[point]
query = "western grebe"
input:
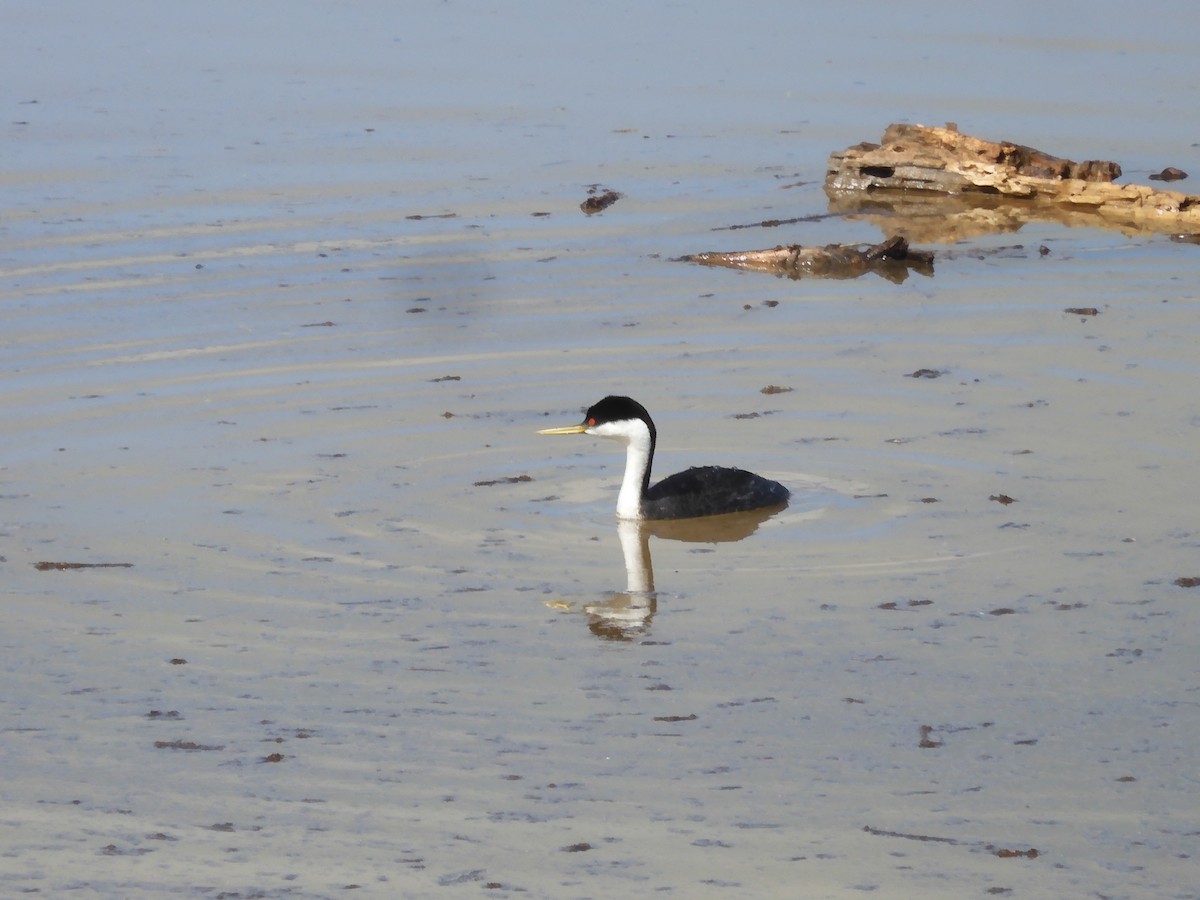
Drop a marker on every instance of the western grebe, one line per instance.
(700, 491)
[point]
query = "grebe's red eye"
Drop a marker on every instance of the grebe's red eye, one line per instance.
(591, 421)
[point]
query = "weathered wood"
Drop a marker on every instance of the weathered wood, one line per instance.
(915, 159)
(892, 259)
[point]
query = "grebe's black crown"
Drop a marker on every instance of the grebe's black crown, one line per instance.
(617, 409)
(621, 409)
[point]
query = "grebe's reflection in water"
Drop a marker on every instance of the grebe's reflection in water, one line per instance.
(626, 615)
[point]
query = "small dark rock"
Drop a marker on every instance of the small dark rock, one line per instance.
(1170, 173)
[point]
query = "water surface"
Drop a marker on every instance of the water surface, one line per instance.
(287, 293)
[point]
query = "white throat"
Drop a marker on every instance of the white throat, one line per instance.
(634, 434)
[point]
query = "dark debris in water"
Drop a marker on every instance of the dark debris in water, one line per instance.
(1170, 173)
(755, 415)
(775, 223)
(911, 604)
(70, 566)
(114, 850)
(599, 199)
(190, 746)
(927, 741)
(1002, 852)
(511, 479)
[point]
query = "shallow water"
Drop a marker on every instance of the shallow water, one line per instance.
(286, 298)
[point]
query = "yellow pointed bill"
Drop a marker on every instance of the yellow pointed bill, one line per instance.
(565, 429)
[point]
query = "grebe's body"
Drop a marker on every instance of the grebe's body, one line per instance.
(699, 491)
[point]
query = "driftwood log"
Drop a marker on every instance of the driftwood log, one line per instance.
(891, 259)
(914, 166)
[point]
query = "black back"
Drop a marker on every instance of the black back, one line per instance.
(711, 490)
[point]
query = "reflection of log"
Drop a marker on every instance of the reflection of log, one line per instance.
(937, 218)
(891, 259)
(942, 161)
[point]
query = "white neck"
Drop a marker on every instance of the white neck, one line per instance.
(636, 437)
(629, 501)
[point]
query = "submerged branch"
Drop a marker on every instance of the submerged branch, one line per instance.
(891, 259)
